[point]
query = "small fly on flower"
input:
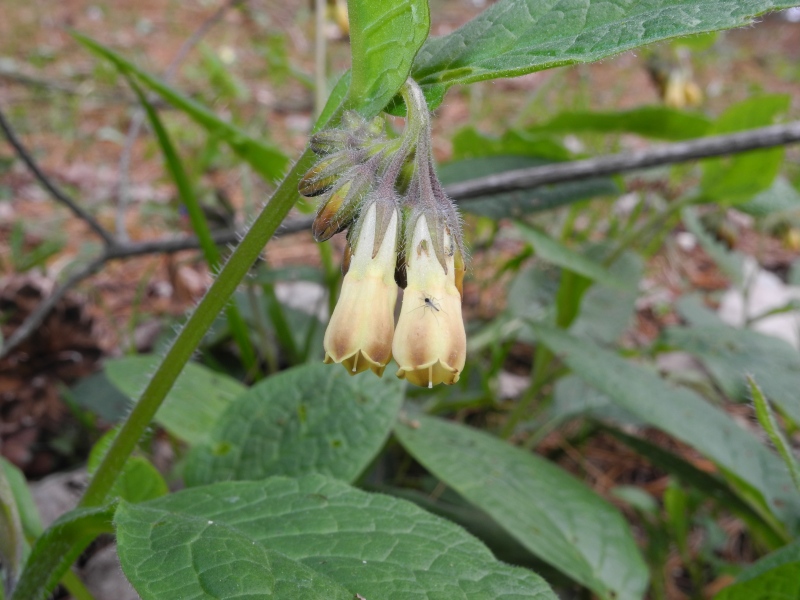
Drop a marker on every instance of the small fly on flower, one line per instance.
(429, 303)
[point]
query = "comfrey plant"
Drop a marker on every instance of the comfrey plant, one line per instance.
(403, 231)
(273, 507)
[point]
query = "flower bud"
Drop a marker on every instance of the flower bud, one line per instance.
(359, 334)
(430, 343)
(322, 176)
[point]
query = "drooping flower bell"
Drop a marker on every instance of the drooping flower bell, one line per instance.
(360, 331)
(358, 179)
(430, 344)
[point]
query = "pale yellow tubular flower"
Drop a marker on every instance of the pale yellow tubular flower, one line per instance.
(430, 344)
(359, 334)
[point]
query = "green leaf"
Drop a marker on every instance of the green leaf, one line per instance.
(783, 556)
(194, 404)
(515, 37)
(684, 415)
(58, 547)
(553, 251)
(781, 583)
(781, 197)
(309, 419)
(28, 513)
(265, 159)
(138, 481)
(167, 554)
(522, 202)
(373, 545)
(738, 178)
(731, 354)
(657, 122)
(471, 143)
(552, 514)
(98, 395)
(384, 39)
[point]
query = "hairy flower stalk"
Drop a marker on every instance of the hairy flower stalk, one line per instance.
(358, 180)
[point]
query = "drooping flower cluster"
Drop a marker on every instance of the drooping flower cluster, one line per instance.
(403, 231)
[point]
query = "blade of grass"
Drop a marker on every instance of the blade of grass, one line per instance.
(199, 224)
(766, 417)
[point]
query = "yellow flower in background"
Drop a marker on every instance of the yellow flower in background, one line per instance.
(430, 343)
(359, 334)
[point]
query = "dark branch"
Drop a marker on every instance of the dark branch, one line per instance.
(721, 145)
(58, 194)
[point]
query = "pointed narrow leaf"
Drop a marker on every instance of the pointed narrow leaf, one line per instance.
(515, 37)
(377, 546)
(385, 37)
(684, 415)
(552, 514)
(310, 419)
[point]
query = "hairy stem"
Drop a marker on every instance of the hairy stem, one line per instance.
(187, 341)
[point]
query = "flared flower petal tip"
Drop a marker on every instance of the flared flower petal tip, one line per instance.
(430, 375)
(358, 363)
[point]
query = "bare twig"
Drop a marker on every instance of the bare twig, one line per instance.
(764, 137)
(720, 145)
(57, 193)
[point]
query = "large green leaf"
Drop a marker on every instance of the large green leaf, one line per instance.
(308, 419)
(265, 159)
(193, 405)
(515, 37)
(519, 203)
(168, 555)
(384, 38)
(657, 122)
(684, 415)
(731, 354)
(552, 514)
(738, 178)
(373, 545)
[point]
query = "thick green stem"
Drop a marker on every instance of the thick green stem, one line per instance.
(180, 352)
